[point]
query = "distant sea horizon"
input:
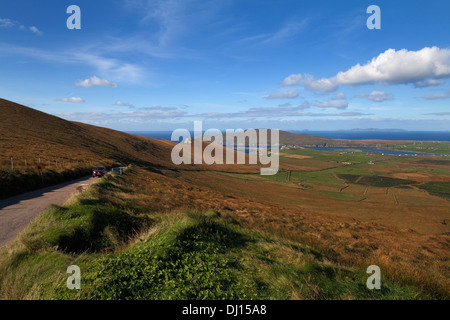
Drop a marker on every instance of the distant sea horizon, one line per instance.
(340, 134)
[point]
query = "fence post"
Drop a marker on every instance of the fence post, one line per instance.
(26, 165)
(12, 163)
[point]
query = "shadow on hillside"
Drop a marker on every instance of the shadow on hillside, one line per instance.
(209, 229)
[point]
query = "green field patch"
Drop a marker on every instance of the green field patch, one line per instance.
(317, 177)
(440, 189)
(426, 170)
(327, 177)
(349, 178)
(374, 180)
(440, 162)
(404, 187)
(435, 147)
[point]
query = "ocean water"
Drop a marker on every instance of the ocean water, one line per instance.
(351, 135)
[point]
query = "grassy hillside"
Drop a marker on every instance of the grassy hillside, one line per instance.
(28, 134)
(302, 139)
(68, 149)
(128, 251)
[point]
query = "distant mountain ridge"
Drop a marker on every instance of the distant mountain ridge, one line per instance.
(375, 130)
(285, 137)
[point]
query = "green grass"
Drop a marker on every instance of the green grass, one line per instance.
(440, 189)
(204, 256)
(435, 147)
(442, 161)
(327, 177)
(187, 259)
(348, 155)
(320, 177)
(375, 180)
(88, 225)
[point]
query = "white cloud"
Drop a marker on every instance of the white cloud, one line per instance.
(72, 100)
(340, 96)
(437, 114)
(402, 66)
(35, 30)
(4, 23)
(324, 85)
(158, 109)
(437, 96)
(124, 104)
(131, 116)
(304, 105)
(288, 31)
(428, 83)
(8, 23)
(377, 96)
(292, 80)
(289, 94)
(337, 104)
(275, 113)
(422, 67)
(95, 81)
(113, 69)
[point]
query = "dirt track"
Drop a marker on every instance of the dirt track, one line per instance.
(17, 212)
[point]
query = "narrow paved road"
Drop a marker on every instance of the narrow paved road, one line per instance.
(17, 212)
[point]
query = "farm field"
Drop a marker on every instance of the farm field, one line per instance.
(406, 192)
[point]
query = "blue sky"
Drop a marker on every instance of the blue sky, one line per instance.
(161, 64)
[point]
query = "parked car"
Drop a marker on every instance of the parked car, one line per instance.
(99, 172)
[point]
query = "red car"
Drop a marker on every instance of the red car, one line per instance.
(99, 172)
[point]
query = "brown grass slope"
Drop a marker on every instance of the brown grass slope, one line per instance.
(29, 134)
(302, 139)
